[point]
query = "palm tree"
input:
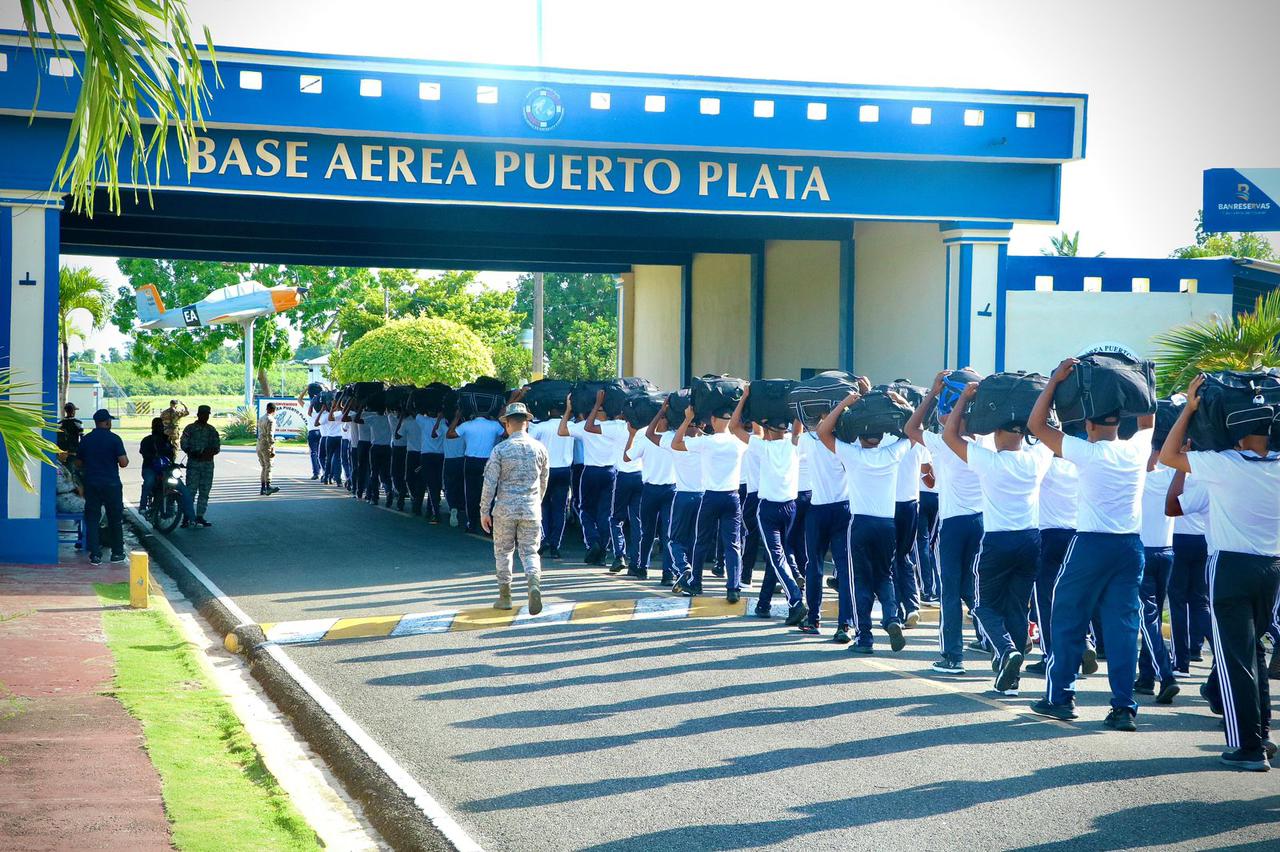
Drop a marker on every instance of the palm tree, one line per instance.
(140, 63)
(1245, 342)
(1065, 245)
(21, 424)
(78, 290)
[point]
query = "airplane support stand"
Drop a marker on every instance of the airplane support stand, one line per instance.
(248, 366)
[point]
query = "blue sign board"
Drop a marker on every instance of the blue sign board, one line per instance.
(1241, 200)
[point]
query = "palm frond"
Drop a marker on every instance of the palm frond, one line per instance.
(1244, 342)
(22, 422)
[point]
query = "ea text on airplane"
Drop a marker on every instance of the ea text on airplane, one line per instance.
(239, 303)
(542, 170)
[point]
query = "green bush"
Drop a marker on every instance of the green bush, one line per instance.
(414, 351)
(242, 425)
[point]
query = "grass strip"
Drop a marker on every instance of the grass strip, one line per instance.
(218, 795)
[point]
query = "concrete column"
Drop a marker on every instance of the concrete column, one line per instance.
(655, 340)
(802, 306)
(722, 318)
(626, 323)
(975, 312)
(29, 348)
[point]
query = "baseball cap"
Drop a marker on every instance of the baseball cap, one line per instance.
(70, 406)
(102, 416)
(515, 409)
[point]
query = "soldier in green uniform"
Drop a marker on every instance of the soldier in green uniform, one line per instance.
(201, 442)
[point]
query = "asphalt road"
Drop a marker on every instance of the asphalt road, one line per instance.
(699, 733)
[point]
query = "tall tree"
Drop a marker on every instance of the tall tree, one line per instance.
(589, 352)
(1225, 245)
(78, 290)
(576, 307)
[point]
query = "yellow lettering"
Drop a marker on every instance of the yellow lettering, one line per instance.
(461, 168)
(368, 159)
(292, 159)
(764, 181)
(266, 151)
(629, 176)
(430, 164)
(235, 157)
(340, 160)
(505, 162)
(401, 159)
(598, 169)
(790, 172)
(530, 173)
(568, 171)
(201, 161)
(708, 173)
(673, 176)
(733, 182)
(815, 184)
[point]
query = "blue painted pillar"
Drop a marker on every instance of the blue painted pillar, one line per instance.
(28, 347)
(976, 259)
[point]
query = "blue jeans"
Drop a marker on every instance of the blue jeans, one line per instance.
(111, 499)
(624, 517)
(1154, 659)
(959, 540)
(906, 562)
(597, 505)
(682, 534)
(927, 545)
(1188, 598)
(655, 522)
(871, 546)
(719, 522)
(1102, 570)
(313, 444)
(1007, 570)
(776, 521)
(827, 529)
(555, 505)
(1053, 550)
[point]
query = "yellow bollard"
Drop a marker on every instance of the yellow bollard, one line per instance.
(139, 579)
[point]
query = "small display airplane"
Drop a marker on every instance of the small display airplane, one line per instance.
(238, 303)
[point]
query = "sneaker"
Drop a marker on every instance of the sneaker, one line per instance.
(1089, 663)
(1182, 672)
(763, 613)
(795, 614)
(833, 583)
(1121, 720)
(95, 559)
(1269, 748)
(315, 476)
(119, 558)
(979, 645)
(732, 596)
(1010, 669)
(1196, 657)
(201, 522)
(896, 640)
(595, 556)
(694, 590)
(619, 563)
(717, 571)
(861, 648)
(434, 519)
(1248, 761)
(667, 580)
(638, 573)
(1061, 712)
(1141, 688)
(913, 618)
(1167, 692)
(453, 517)
(842, 637)
(1013, 690)
(1037, 668)
(682, 585)
(948, 665)
(1215, 706)
(745, 579)
(554, 553)
(808, 629)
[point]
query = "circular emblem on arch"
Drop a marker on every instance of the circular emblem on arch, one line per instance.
(543, 108)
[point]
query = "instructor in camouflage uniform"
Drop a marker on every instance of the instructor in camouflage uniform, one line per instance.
(515, 480)
(201, 442)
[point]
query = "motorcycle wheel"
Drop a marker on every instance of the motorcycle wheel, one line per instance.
(166, 514)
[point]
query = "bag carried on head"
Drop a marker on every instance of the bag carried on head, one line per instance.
(678, 403)
(913, 394)
(873, 415)
(429, 400)
(641, 408)
(716, 395)
(1234, 405)
(769, 403)
(1107, 383)
(482, 398)
(370, 395)
(1004, 401)
(546, 396)
(812, 399)
(953, 384)
(397, 397)
(616, 392)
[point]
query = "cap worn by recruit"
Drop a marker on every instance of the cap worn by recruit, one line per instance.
(102, 416)
(515, 409)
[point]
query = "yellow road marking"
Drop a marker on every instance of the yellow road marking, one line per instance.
(603, 612)
(482, 618)
(364, 627)
(705, 607)
(266, 627)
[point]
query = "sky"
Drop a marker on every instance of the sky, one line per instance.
(1174, 86)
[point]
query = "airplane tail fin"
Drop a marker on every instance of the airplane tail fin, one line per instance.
(150, 307)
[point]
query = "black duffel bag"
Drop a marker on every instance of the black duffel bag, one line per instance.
(913, 394)
(484, 397)
(370, 395)
(641, 408)
(1234, 405)
(812, 399)
(397, 397)
(769, 403)
(1004, 401)
(1167, 413)
(678, 403)
(428, 401)
(1104, 384)
(616, 393)
(545, 397)
(716, 395)
(873, 415)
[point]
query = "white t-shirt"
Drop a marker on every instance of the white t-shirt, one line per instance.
(454, 448)
(559, 448)
(375, 429)
(1157, 527)
(346, 429)
(635, 465)
(779, 469)
(478, 437)
(1059, 493)
(1010, 487)
(410, 430)
(311, 419)
(806, 473)
(872, 475)
(398, 427)
(750, 476)
(721, 455)
(427, 425)
(959, 492)
(657, 464)
(826, 471)
(1111, 477)
(687, 466)
(909, 474)
(329, 428)
(1244, 500)
(1194, 502)
(602, 449)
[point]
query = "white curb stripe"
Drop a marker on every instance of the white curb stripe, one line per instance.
(551, 614)
(654, 608)
(295, 632)
(420, 623)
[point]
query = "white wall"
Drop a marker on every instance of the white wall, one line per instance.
(653, 346)
(801, 306)
(1044, 328)
(898, 300)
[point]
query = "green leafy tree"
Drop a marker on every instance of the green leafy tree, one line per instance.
(566, 299)
(1225, 245)
(511, 362)
(78, 290)
(1244, 342)
(1065, 245)
(418, 351)
(589, 352)
(140, 65)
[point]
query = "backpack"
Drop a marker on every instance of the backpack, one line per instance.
(1107, 383)
(547, 395)
(1234, 405)
(769, 403)
(716, 395)
(1004, 401)
(953, 384)
(873, 415)
(641, 408)
(812, 399)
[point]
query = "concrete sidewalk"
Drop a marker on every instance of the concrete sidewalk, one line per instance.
(73, 772)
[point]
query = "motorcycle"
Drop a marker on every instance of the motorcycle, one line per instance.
(164, 509)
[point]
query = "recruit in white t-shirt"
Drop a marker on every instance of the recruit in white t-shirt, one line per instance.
(478, 437)
(909, 473)
(1059, 493)
(779, 468)
(1157, 527)
(721, 455)
(825, 471)
(657, 464)
(1111, 477)
(603, 448)
(559, 448)
(1194, 502)
(872, 475)
(687, 467)
(959, 492)
(1244, 500)
(1010, 487)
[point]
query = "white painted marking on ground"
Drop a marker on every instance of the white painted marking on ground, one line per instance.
(552, 613)
(297, 632)
(777, 608)
(420, 623)
(653, 608)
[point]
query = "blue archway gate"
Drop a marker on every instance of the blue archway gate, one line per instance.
(697, 191)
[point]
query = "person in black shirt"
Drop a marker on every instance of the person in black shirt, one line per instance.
(101, 455)
(158, 455)
(70, 429)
